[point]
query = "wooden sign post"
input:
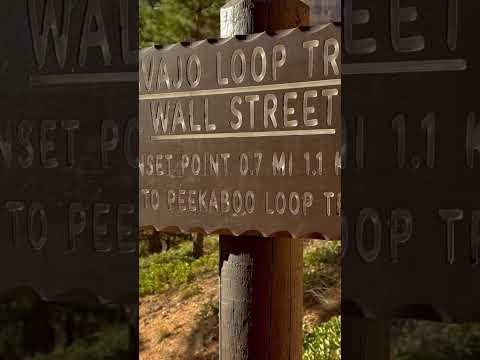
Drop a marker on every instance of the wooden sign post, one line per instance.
(261, 279)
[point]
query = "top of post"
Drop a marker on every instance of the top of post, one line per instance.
(241, 17)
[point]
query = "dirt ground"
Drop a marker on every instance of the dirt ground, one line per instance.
(171, 325)
(183, 325)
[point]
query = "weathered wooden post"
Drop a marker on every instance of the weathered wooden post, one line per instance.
(261, 298)
(261, 279)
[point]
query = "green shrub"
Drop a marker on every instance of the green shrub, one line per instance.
(321, 268)
(176, 267)
(322, 342)
(208, 310)
(143, 247)
(327, 253)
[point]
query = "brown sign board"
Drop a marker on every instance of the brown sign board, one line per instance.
(411, 160)
(242, 135)
(69, 150)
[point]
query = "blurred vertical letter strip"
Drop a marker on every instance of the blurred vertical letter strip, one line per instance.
(411, 162)
(69, 150)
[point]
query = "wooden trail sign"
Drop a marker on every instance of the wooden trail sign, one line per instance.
(242, 135)
(69, 149)
(410, 182)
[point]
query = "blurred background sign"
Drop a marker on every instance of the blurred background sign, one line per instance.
(410, 182)
(69, 149)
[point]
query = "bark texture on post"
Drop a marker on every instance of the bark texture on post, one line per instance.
(261, 298)
(241, 17)
(236, 18)
(261, 279)
(365, 339)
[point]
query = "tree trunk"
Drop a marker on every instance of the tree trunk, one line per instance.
(197, 245)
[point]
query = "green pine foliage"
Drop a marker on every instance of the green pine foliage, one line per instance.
(323, 342)
(165, 22)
